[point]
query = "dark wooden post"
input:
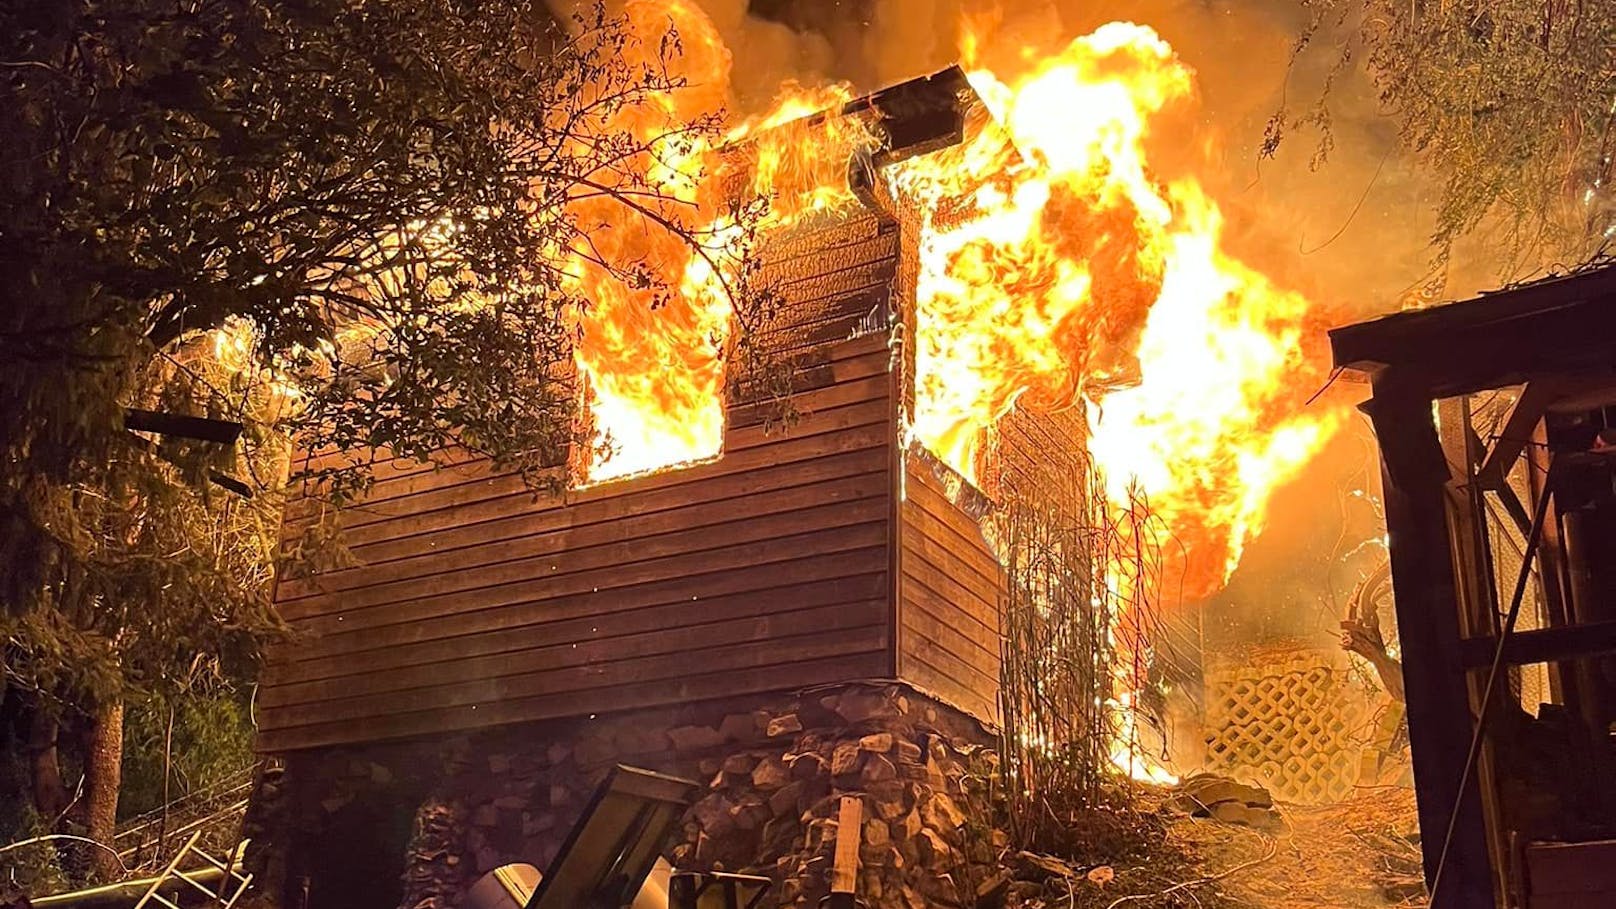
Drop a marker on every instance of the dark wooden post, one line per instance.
(1440, 724)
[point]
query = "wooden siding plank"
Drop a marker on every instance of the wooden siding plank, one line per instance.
(524, 631)
(979, 567)
(851, 427)
(649, 499)
(783, 272)
(844, 539)
(854, 353)
(775, 570)
(777, 479)
(942, 522)
(842, 529)
(810, 645)
(928, 678)
(858, 506)
(925, 495)
(833, 230)
(944, 663)
(920, 582)
(790, 616)
(982, 607)
(950, 585)
(964, 574)
(953, 630)
(816, 292)
(627, 696)
(854, 476)
(824, 411)
(842, 394)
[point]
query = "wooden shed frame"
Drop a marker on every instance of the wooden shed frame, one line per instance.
(1558, 338)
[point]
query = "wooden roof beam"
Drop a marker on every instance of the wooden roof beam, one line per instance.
(1517, 432)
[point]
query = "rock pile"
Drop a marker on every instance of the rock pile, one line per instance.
(774, 811)
(775, 770)
(1226, 800)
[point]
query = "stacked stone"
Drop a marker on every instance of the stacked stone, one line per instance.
(775, 771)
(434, 873)
(267, 828)
(773, 810)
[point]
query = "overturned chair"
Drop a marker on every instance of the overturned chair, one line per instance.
(612, 859)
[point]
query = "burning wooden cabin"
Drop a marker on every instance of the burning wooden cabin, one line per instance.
(810, 607)
(815, 552)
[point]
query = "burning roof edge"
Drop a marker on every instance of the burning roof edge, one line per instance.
(1498, 338)
(917, 116)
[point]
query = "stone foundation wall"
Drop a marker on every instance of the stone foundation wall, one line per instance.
(775, 769)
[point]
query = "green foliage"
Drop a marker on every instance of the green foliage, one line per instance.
(197, 739)
(35, 868)
(1510, 103)
(345, 222)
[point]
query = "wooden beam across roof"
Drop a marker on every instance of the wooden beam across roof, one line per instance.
(1558, 325)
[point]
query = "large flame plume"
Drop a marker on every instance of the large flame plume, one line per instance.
(1070, 273)
(1055, 269)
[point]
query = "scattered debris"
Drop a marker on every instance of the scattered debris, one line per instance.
(1227, 801)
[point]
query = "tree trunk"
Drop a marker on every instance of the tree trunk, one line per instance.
(103, 773)
(45, 768)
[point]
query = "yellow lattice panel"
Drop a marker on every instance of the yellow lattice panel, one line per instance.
(1290, 719)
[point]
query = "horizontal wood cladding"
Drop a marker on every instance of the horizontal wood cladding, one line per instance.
(699, 680)
(950, 593)
(836, 273)
(790, 561)
(766, 569)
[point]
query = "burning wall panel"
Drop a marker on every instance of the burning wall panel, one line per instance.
(767, 569)
(951, 590)
(795, 558)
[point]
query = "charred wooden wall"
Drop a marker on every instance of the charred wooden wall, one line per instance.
(950, 593)
(770, 568)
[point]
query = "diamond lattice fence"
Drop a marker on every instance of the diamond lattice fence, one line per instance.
(1293, 720)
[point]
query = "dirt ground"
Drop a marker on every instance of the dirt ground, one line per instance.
(1362, 853)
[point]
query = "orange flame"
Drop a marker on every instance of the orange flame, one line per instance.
(1069, 272)
(1053, 268)
(651, 361)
